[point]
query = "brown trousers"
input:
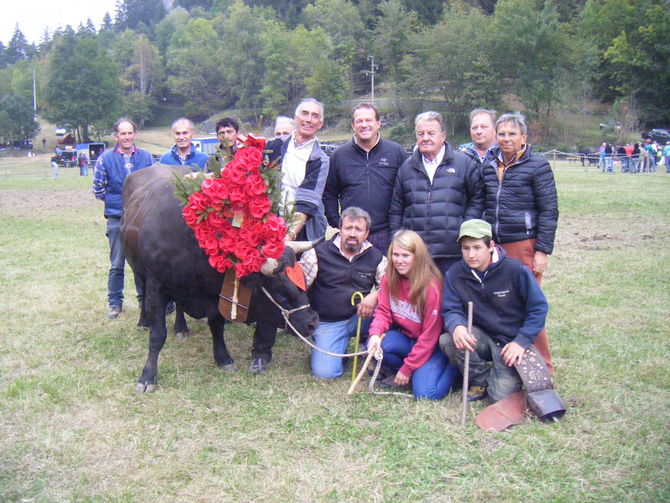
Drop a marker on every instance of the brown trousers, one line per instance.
(524, 251)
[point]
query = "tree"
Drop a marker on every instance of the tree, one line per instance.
(194, 57)
(83, 86)
(17, 119)
(462, 74)
(531, 48)
(429, 11)
(341, 20)
(18, 47)
(138, 15)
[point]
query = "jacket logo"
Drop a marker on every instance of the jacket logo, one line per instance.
(501, 293)
(451, 170)
(383, 161)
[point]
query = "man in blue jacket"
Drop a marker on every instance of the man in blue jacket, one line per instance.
(184, 153)
(509, 310)
(362, 174)
(111, 170)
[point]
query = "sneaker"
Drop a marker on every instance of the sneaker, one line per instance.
(258, 365)
(476, 393)
(114, 312)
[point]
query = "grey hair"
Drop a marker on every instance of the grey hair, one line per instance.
(354, 212)
(517, 118)
(120, 121)
(283, 119)
(430, 116)
(481, 111)
(188, 122)
(309, 100)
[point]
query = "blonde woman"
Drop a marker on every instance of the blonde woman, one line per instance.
(410, 300)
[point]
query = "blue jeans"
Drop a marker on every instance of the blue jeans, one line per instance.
(433, 379)
(334, 336)
(117, 261)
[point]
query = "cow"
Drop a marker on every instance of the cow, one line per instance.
(163, 252)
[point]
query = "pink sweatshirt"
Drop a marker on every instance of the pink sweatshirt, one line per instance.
(400, 314)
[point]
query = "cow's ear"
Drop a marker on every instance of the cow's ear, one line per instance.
(253, 281)
(287, 259)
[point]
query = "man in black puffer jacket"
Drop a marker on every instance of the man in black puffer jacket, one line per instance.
(521, 203)
(436, 189)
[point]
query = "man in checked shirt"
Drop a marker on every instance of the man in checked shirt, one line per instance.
(334, 270)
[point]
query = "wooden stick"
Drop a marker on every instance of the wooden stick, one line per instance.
(466, 369)
(360, 374)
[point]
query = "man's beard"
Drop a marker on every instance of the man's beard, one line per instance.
(353, 247)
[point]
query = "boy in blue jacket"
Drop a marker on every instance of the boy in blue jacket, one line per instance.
(509, 311)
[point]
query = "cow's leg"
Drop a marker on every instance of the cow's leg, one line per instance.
(154, 303)
(143, 322)
(180, 327)
(221, 356)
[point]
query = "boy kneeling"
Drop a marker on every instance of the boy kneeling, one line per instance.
(509, 311)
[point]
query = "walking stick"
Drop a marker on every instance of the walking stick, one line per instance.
(466, 369)
(365, 366)
(358, 336)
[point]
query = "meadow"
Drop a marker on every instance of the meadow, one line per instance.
(73, 430)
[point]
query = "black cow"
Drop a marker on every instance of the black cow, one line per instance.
(163, 251)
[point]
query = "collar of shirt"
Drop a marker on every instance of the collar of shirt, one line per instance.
(117, 150)
(431, 166)
(379, 138)
(338, 242)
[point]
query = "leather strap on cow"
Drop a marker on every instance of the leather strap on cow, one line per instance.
(543, 401)
(234, 298)
(539, 396)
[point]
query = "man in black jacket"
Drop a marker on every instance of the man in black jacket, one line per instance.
(521, 203)
(362, 174)
(436, 189)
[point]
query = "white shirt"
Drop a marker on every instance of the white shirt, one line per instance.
(293, 168)
(431, 166)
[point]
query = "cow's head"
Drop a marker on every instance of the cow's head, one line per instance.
(273, 277)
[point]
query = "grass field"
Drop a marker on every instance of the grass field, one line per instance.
(72, 428)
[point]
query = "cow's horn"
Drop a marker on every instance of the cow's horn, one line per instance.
(268, 269)
(303, 246)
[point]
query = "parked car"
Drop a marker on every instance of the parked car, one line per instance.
(659, 135)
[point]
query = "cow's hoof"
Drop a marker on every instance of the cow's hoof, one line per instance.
(229, 367)
(145, 387)
(182, 335)
(259, 366)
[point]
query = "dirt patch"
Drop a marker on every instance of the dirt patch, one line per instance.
(577, 233)
(42, 202)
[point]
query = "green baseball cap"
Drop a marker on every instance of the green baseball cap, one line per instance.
(475, 228)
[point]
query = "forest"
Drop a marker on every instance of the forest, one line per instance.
(152, 59)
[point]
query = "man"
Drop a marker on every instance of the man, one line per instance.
(666, 156)
(334, 271)
(436, 189)
(227, 131)
(362, 173)
(284, 127)
(509, 310)
(111, 170)
(521, 203)
(483, 134)
(651, 150)
(184, 153)
(304, 169)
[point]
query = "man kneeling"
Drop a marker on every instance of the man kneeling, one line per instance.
(334, 271)
(509, 311)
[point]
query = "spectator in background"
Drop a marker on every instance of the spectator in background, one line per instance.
(666, 156)
(521, 203)
(651, 155)
(83, 165)
(284, 127)
(183, 153)
(362, 173)
(628, 160)
(483, 134)
(111, 170)
(227, 131)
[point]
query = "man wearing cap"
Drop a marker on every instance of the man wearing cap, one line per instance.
(509, 310)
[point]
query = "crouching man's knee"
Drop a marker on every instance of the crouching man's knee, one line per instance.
(447, 345)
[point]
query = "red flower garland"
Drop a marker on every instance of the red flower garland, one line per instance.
(231, 218)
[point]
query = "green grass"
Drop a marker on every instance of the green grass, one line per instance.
(72, 428)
